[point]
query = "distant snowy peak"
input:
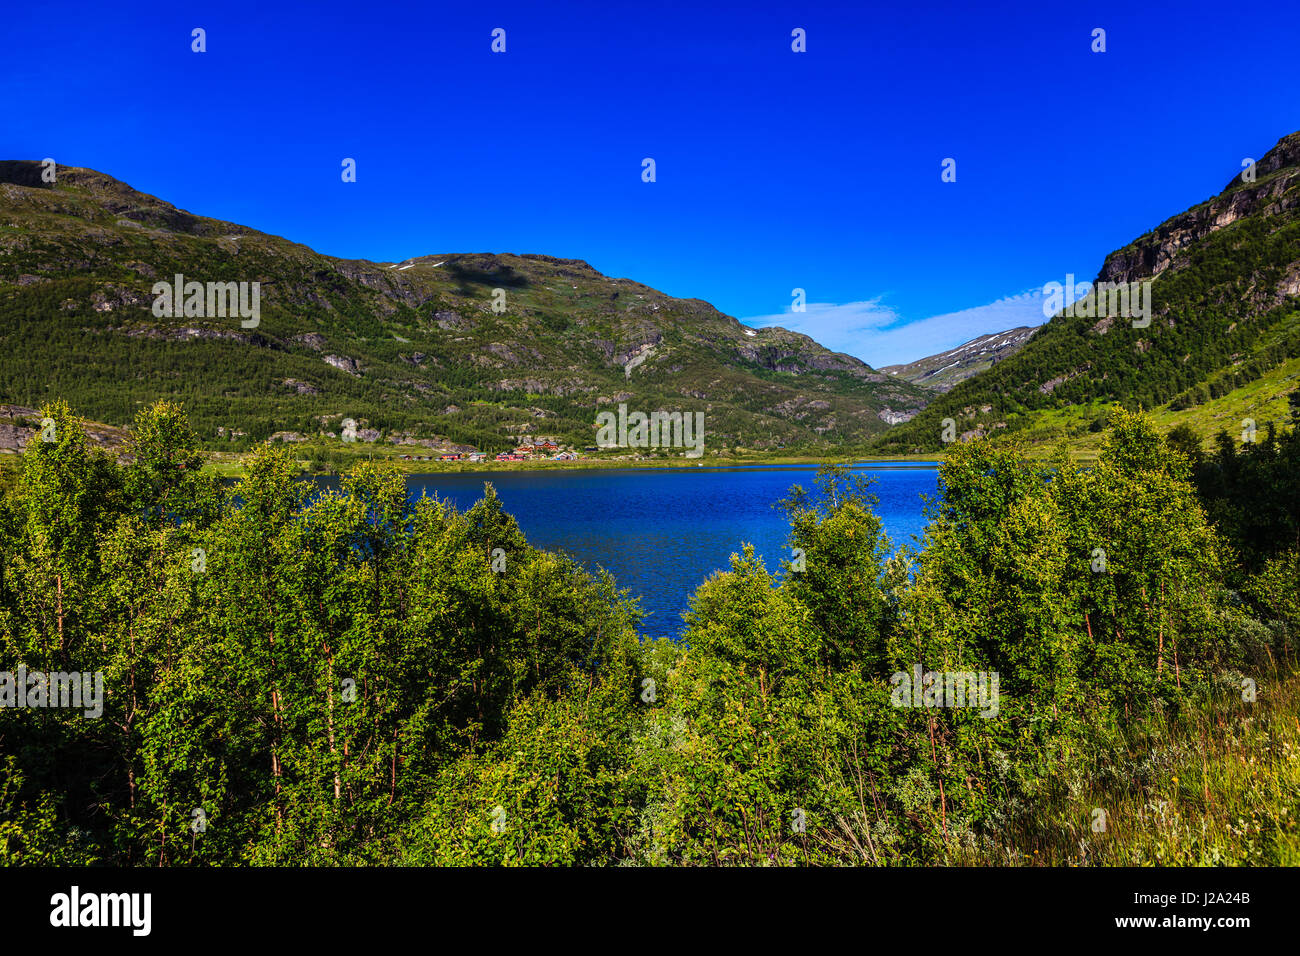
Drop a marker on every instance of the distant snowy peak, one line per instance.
(944, 370)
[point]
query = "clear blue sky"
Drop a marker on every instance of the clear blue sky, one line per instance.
(775, 170)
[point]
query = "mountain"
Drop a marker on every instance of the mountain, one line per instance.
(941, 372)
(1222, 344)
(413, 351)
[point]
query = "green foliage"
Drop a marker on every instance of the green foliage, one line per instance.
(308, 683)
(1252, 492)
(350, 677)
(782, 707)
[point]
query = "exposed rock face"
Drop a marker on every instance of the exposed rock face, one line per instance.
(539, 387)
(1269, 194)
(1290, 284)
(441, 445)
(14, 437)
(800, 408)
(110, 297)
(313, 340)
(636, 358)
(452, 320)
(791, 353)
(181, 335)
(512, 355)
(18, 424)
(344, 364)
(891, 417)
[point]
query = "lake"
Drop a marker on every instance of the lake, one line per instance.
(661, 532)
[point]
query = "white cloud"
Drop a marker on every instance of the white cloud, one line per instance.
(879, 336)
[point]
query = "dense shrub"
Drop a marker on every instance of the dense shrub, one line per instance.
(353, 678)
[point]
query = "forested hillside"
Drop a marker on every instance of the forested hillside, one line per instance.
(1226, 286)
(424, 349)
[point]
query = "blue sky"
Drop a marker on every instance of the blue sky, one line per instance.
(775, 170)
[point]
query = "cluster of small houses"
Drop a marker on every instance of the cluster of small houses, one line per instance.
(525, 452)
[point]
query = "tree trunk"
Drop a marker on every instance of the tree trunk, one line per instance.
(58, 586)
(943, 800)
(329, 696)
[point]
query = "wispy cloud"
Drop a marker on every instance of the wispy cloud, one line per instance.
(875, 333)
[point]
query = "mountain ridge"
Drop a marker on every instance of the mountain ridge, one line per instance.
(943, 370)
(1225, 283)
(409, 347)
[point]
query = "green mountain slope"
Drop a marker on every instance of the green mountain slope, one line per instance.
(1225, 284)
(407, 349)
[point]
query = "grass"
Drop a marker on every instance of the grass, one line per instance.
(1262, 400)
(1218, 784)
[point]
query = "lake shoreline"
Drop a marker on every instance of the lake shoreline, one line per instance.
(233, 466)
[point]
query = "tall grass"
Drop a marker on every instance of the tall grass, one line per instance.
(1216, 784)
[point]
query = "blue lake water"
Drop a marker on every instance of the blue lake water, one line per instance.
(661, 532)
